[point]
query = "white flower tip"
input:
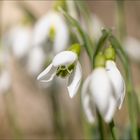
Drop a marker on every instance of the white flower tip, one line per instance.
(71, 92)
(111, 110)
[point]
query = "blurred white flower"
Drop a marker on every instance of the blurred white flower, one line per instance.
(36, 60)
(104, 89)
(94, 28)
(66, 65)
(132, 47)
(5, 81)
(51, 27)
(18, 40)
(117, 81)
(97, 26)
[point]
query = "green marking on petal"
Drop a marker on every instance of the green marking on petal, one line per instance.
(110, 53)
(52, 33)
(75, 48)
(64, 71)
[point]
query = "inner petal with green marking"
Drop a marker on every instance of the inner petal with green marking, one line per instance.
(64, 71)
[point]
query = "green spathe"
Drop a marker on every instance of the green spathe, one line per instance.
(76, 48)
(100, 60)
(110, 53)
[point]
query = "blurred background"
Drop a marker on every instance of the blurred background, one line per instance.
(29, 109)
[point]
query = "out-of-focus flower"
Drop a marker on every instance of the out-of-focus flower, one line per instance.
(102, 91)
(51, 33)
(5, 81)
(132, 47)
(36, 61)
(65, 65)
(97, 26)
(94, 28)
(18, 40)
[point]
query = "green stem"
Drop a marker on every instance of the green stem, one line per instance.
(112, 130)
(120, 17)
(101, 128)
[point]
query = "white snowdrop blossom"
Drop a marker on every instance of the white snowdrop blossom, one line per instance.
(104, 90)
(132, 47)
(102, 95)
(18, 40)
(66, 65)
(51, 28)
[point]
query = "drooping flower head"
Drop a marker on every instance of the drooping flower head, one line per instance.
(101, 91)
(65, 65)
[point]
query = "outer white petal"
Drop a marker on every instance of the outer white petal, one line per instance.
(117, 81)
(86, 101)
(132, 47)
(74, 80)
(35, 61)
(48, 74)
(64, 58)
(62, 34)
(101, 90)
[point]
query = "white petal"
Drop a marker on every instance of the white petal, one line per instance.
(64, 58)
(101, 90)
(86, 101)
(111, 110)
(48, 74)
(117, 81)
(35, 61)
(74, 80)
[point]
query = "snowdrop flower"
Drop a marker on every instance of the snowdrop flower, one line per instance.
(65, 65)
(100, 91)
(132, 47)
(51, 33)
(18, 39)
